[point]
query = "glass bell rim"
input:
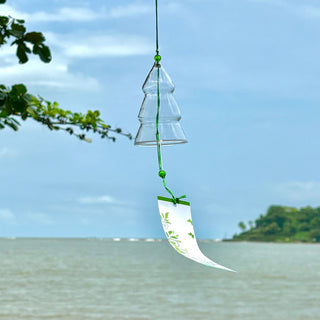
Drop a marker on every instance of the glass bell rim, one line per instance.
(153, 143)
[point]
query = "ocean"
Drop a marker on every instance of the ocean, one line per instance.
(75, 279)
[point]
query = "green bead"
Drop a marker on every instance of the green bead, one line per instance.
(157, 58)
(162, 174)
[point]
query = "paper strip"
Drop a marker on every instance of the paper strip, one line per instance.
(178, 226)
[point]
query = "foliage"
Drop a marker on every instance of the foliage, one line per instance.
(242, 226)
(285, 224)
(17, 103)
(14, 28)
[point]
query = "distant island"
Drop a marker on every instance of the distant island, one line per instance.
(283, 224)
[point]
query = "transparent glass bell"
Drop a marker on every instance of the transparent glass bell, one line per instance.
(170, 130)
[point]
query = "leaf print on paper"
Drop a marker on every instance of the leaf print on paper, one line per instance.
(165, 218)
(175, 242)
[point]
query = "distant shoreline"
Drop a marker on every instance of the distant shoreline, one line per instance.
(148, 240)
(103, 239)
(276, 242)
(283, 224)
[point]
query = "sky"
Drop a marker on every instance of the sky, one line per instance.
(247, 82)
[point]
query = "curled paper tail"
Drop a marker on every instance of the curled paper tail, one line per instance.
(178, 227)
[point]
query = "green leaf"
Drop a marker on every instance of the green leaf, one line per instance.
(34, 37)
(21, 53)
(15, 121)
(4, 21)
(191, 234)
(17, 30)
(44, 53)
(19, 89)
(2, 1)
(12, 125)
(32, 112)
(2, 95)
(24, 115)
(35, 49)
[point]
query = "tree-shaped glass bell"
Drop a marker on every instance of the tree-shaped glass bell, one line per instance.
(159, 103)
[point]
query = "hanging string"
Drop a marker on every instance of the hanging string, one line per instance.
(157, 34)
(157, 58)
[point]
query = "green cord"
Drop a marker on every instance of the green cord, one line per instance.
(162, 173)
(157, 58)
(157, 34)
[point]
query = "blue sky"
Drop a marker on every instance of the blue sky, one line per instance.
(247, 83)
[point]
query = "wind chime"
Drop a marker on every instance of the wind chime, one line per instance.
(159, 118)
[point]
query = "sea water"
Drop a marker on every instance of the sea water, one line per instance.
(75, 279)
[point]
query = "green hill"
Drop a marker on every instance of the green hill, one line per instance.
(283, 224)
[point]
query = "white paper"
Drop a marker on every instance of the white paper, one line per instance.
(178, 227)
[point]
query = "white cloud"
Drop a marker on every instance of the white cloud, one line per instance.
(6, 214)
(6, 152)
(55, 74)
(98, 200)
(8, 52)
(40, 218)
(300, 9)
(66, 14)
(299, 191)
(78, 14)
(108, 46)
(11, 11)
(129, 10)
(271, 2)
(84, 221)
(65, 49)
(99, 45)
(305, 11)
(311, 12)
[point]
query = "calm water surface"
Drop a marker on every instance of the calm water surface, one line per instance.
(103, 279)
